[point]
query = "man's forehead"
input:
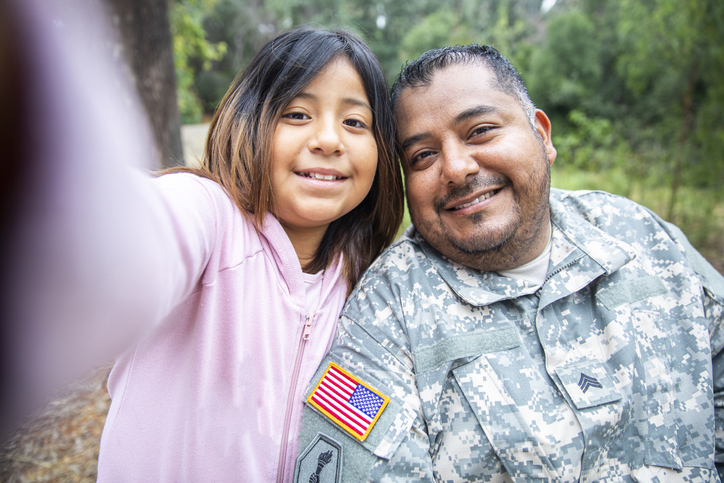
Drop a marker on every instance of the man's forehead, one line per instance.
(454, 89)
(451, 71)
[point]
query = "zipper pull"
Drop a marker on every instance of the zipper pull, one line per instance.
(307, 327)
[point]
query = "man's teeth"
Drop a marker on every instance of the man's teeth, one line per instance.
(477, 200)
(325, 177)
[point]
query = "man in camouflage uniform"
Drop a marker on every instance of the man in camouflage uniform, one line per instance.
(516, 333)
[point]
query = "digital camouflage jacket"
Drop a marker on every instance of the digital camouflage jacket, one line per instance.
(609, 371)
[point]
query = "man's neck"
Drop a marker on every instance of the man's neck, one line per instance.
(534, 271)
(512, 254)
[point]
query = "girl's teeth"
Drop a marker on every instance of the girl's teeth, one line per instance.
(325, 177)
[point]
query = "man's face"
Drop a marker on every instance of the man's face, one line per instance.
(477, 171)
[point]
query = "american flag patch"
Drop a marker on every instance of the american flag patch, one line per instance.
(347, 401)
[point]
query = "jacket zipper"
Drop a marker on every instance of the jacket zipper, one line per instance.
(290, 399)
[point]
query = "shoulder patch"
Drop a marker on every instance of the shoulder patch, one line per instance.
(320, 462)
(350, 403)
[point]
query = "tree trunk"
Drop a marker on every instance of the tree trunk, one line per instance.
(143, 28)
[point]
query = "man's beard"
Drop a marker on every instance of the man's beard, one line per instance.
(502, 247)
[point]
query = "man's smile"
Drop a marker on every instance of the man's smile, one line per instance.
(477, 200)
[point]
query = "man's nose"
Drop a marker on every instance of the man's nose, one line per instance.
(326, 138)
(458, 165)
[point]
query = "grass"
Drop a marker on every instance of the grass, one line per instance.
(698, 212)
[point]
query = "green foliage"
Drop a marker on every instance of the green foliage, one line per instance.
(652, 69)
(564, 73)
(633, 87)
(591, 143)
(663, 42)
(672, 60)
(191, 52)
(508, 30)
(440, 28)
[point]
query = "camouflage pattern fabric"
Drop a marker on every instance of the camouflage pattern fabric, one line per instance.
(609, 371)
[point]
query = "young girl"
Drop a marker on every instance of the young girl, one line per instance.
(299, 193)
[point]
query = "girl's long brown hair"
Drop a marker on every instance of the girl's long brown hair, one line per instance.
(238, 147)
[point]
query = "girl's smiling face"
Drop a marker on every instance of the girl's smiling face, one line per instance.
(324, 154)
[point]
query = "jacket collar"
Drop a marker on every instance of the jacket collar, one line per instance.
(277, 244)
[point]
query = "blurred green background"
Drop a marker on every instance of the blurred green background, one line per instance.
(633, 87)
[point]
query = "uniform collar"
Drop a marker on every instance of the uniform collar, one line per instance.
(606, 251)
(580, 253)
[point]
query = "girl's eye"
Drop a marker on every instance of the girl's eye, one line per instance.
(298, 116)
(355, 123)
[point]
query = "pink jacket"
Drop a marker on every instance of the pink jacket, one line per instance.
(213, 392)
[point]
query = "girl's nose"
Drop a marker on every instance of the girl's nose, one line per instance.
(326, 139)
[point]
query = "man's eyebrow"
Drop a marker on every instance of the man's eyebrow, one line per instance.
(414, 139)
(473, 112)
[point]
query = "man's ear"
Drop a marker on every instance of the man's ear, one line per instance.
(543, 126)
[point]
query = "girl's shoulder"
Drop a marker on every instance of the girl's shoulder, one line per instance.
(192, 193)
(200, 209)
(202, 202)
(183, 184)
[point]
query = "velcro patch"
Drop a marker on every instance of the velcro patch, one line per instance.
(631, 292)
(347, 401)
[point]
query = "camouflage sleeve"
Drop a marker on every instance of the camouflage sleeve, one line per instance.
(397, 446)
(714, 312)
(411, 462)
(714, 307)
(712, 284)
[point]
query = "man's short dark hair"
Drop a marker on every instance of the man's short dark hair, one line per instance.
(419, 72)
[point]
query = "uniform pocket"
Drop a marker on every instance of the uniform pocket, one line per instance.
(507, 426)
(588, 384)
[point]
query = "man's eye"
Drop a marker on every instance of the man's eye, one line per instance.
(480, 130)
(419, 158)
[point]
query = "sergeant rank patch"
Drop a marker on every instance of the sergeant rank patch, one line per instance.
(349, 402)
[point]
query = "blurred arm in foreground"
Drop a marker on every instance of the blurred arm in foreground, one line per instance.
(76, 226)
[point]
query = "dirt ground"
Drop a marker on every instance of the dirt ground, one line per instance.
(60, 443)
